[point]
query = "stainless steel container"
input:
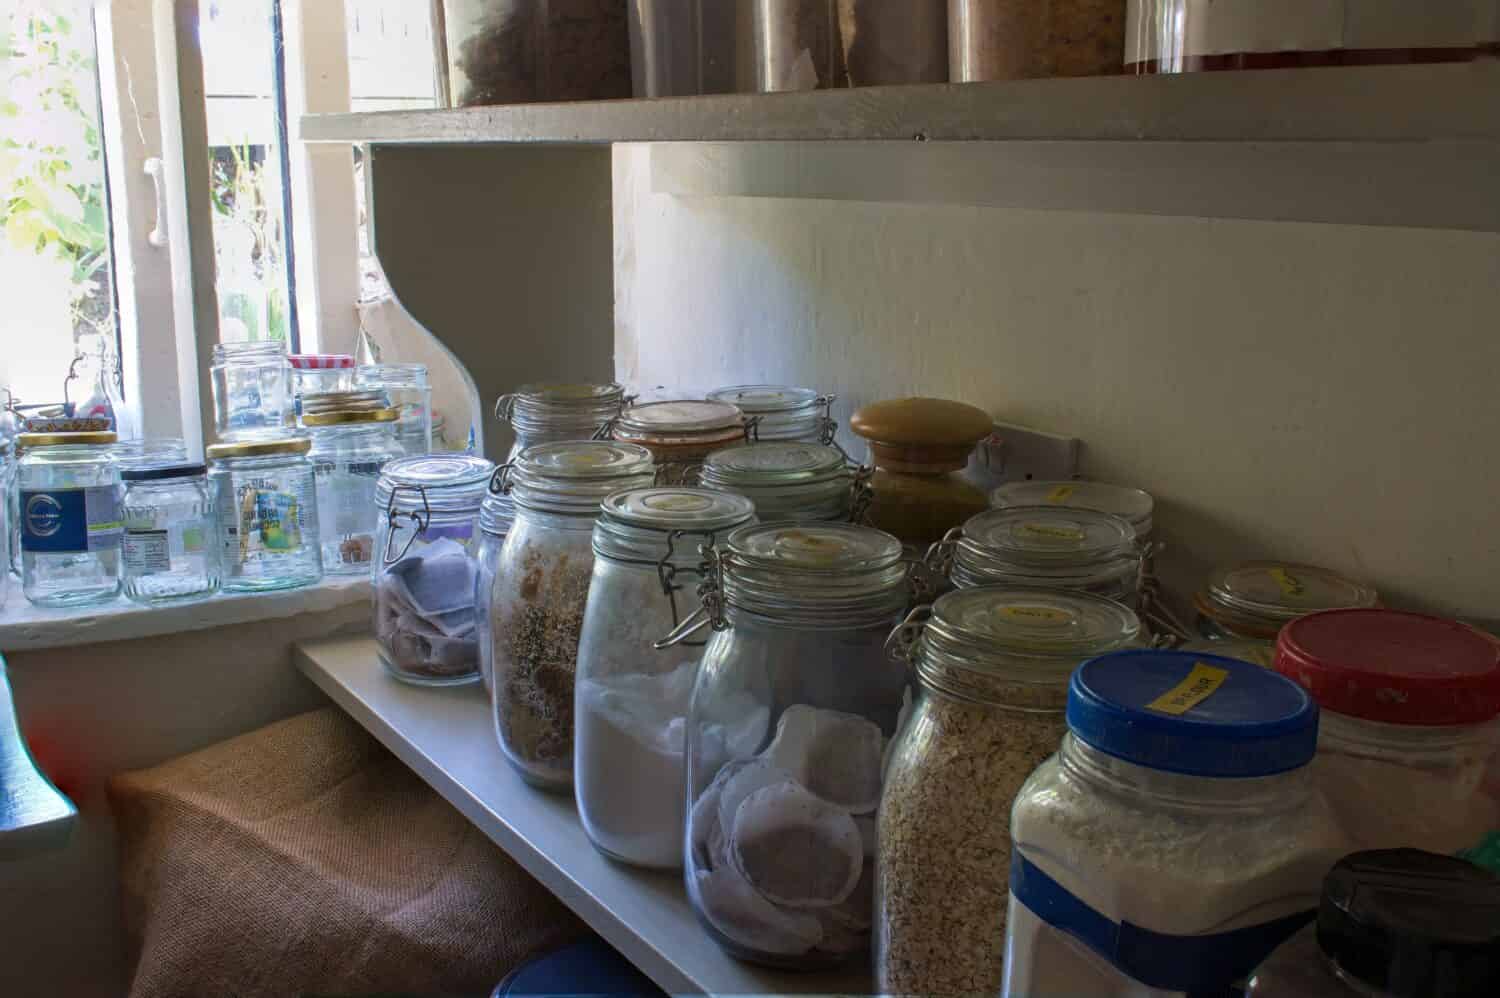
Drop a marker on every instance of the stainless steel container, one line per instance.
(681, 48)
(894, 41)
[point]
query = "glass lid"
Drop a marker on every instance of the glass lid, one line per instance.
(1285, 590)
(781, 462)
(1131, 505)
(678, 509)
(1047, 535)
(438, 469)
(833, 548)
(758, 399)
(682, 416)
(1033, 621)
(582, 460)
(580, 394)
(497, 513)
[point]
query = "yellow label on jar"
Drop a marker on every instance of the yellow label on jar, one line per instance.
(1061, 493)
(1201, 683)
(1290, 585)
(1053, 532)
(1036, 614)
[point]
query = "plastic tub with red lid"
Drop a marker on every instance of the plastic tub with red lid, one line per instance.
(1409, 727)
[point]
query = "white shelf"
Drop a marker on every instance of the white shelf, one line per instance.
(446, 737)
(1384, 104)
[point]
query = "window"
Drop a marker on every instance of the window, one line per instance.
(113, 231)
(55, 274)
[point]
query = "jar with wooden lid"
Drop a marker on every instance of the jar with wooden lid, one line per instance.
(1023, 39)
(681, 433)
(918, 446)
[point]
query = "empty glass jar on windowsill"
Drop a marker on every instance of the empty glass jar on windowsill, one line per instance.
(67, 489)
(266, 509)
(349, 449)
(168, 546)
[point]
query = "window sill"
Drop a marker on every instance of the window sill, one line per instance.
(24, 627)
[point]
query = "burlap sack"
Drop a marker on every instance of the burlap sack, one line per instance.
(304, 859)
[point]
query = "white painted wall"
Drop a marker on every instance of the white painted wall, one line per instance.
(1313, 392)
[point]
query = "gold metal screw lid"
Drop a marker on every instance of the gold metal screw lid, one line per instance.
(259, 448)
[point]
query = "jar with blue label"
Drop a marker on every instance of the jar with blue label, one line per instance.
(266, 514)
(1176, 839)
(426, 510)
(168, 544)
(68, 505)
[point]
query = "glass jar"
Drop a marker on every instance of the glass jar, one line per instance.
(496, 515)
(428, 511)
(348, 451)
(1132, 505)
(1024, 39)
(782, 412)
(894, 43)
(536, 603)
(252, 386)
(790, 714)
(407, 391)
(1176, 839)
(319, 373)
(161, 452)
(631, 697)
(918, 446)
(68, 500)
(797, 45)
(5, 482)
(790, 481)
(549, 414)
(1411, 722)
(1180, 36)
(680, 434)
(519, 51)
(991, 666)
(1254, 599)
(265, 503)
(168, 547)
(1077, 549)
(1397, 923)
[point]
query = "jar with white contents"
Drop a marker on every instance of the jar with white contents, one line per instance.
(1176, 839)
(1076, 549)
(793, 706)
(1410, 724)
(790, 480)
(632, 698)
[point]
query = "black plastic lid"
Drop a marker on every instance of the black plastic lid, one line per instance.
(155, 474)
(1413, 924)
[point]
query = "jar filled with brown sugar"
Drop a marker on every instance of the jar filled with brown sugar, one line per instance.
(1025, 39)
(918, 446)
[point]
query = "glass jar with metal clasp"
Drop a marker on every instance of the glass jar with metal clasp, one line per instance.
(427, 511)
(791, 711)
(631, 698)
(537, 598)
(1081, 550)
(553, 413)
(680, 434)
(783, 412)
(791, 480)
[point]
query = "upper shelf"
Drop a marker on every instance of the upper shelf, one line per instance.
(1379, 104)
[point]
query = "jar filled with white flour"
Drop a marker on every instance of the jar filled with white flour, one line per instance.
(1409, 726)
(631, 699)
(1176, 838)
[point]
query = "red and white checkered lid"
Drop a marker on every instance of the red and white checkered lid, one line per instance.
(321, 361)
